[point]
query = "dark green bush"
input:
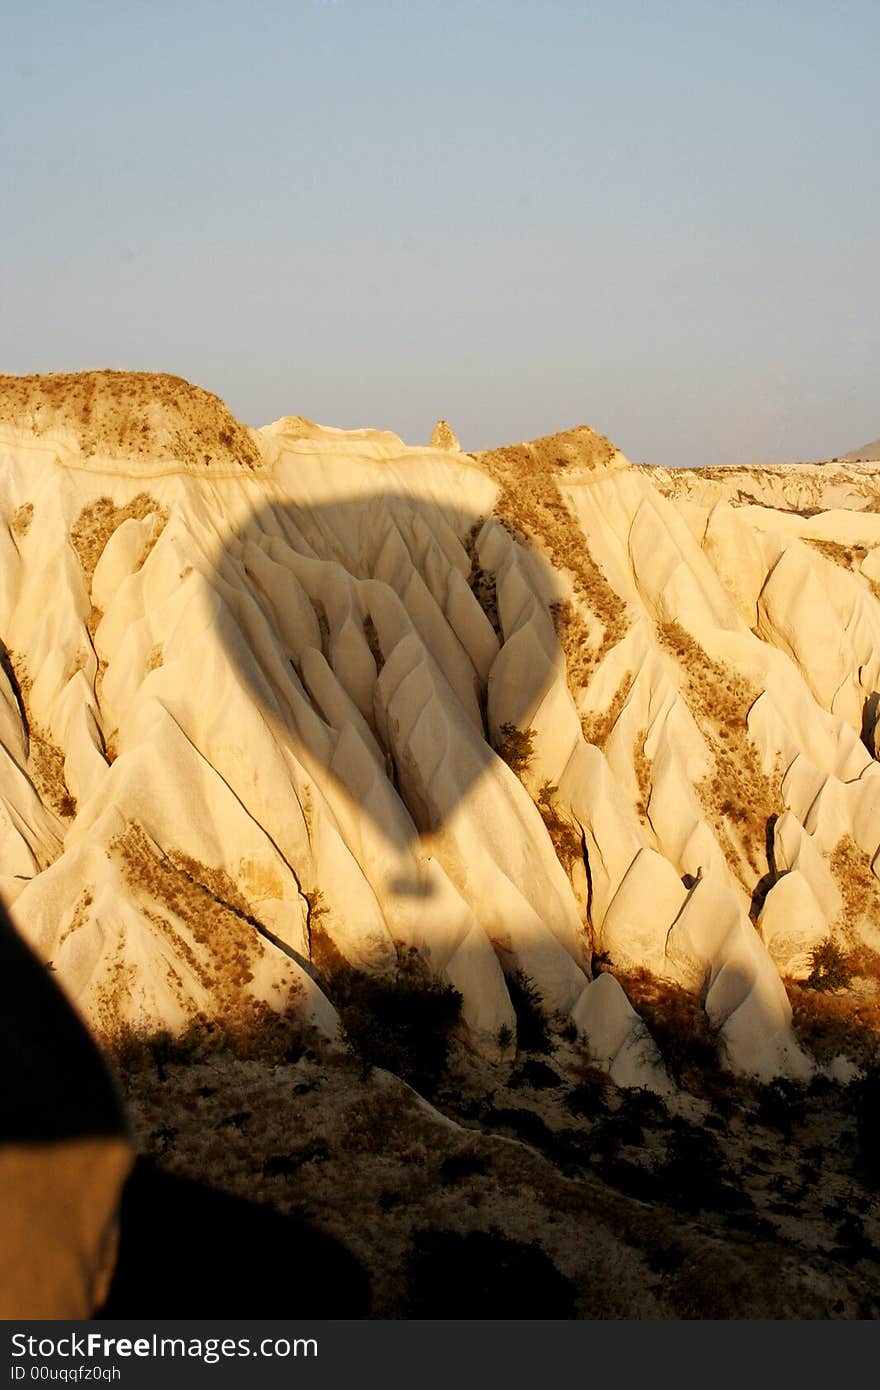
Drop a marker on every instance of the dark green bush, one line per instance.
(588, 1099)
(522, 1123)
(536, 1075)
(830, 968)
(403, 1024)
(515, 747)
(780, 1106)
(695, 1175)
(284, 1165)
(456, 1167)
(532, 1030)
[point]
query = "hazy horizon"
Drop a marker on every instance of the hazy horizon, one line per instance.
(656, 221)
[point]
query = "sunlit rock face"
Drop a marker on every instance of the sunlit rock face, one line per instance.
(273, 695)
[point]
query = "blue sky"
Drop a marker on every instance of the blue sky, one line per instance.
(660, 219)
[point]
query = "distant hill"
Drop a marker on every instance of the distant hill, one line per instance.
(869, 453)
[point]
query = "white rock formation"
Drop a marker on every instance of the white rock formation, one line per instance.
(255, 686)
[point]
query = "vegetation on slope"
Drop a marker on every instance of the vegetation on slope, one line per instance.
(531, 505)
(131, 415)
(739, 800)
(747, 1201)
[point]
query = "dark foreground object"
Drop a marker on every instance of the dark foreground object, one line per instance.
(64, 1145)
(188, 1251)
(484, 1275)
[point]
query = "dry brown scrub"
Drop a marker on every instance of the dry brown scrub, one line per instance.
(138, 415)
(678, 1024)
(334, 969)
(566, 837)
(531, 505)
(89, 535)
(45, 759)
(740, 798)
(21, 520)
(364, 1162)
(642, 769)
(83, 903)
(252, 1032)
(482, 582)
(848, 557)
(217, 882)
(208, 904)
(829, 1025)
(859, 888)
(597, 727)
(46, 768)
(371, 635)
(96, 523)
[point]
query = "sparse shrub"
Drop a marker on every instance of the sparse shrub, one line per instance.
(515, 746)
(546, 795)
(830, 968)
(566, 837)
